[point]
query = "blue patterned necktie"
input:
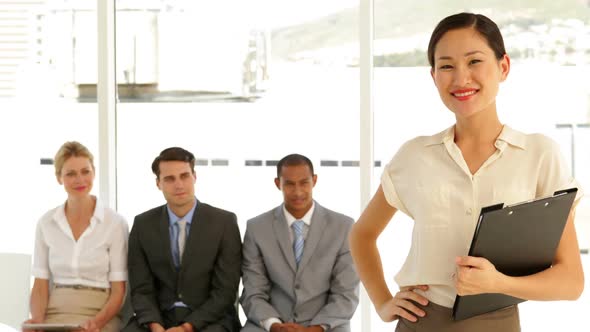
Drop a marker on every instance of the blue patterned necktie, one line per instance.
(298, 240)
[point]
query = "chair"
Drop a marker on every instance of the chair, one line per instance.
(15, 284)
(6, 328)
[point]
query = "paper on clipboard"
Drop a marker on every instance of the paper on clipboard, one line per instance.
(51, 326)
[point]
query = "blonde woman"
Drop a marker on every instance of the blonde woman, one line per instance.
(81, 246)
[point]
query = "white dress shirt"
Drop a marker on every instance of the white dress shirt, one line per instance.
(429, 181)
(306, 221)
(267, 323)
(97, 258)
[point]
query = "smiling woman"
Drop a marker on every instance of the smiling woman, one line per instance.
(470, 159)
(76, 175)
(467, 67)
(82, 247)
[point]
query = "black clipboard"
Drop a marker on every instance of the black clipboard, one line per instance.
(519, 240)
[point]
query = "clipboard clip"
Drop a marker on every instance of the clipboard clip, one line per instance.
(565, 191)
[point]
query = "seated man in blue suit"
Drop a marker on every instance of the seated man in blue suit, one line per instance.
(297, 270)
(184, 257)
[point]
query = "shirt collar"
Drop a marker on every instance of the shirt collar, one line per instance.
(441, 138)
(98, 214)
(173, 219)
(512, 137)
(306, 218)
(507, 136)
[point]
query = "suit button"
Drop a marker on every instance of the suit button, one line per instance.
(296, 286)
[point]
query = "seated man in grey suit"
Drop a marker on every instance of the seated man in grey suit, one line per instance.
(184, 257)
(297, 270)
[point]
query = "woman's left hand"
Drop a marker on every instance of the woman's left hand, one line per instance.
(90, 326)
(476, 275)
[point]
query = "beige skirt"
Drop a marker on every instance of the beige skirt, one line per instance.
(75, 306)
(439, 319)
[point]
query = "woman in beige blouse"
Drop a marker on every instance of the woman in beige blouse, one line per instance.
(81, 246)
(443, 181)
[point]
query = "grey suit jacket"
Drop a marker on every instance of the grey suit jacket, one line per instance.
(208, 278)
(322, 290)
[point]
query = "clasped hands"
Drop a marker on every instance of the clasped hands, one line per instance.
(474, 275)
(185, 327)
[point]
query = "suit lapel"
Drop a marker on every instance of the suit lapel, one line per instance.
(197, 230)
(163, 228)
(318, 223)
(281, 230)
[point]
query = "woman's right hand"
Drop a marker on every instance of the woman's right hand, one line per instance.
(32, 321)
(401, 305)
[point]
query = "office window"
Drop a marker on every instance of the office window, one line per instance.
(240, 84)
(41, 73)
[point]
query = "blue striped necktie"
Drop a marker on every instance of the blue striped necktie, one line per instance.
(298, 240)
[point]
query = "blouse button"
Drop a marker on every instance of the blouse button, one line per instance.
(469, 211)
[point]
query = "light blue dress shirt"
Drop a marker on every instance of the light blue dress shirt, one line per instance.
(173, 228)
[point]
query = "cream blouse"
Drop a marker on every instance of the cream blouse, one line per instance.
(429, 180)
